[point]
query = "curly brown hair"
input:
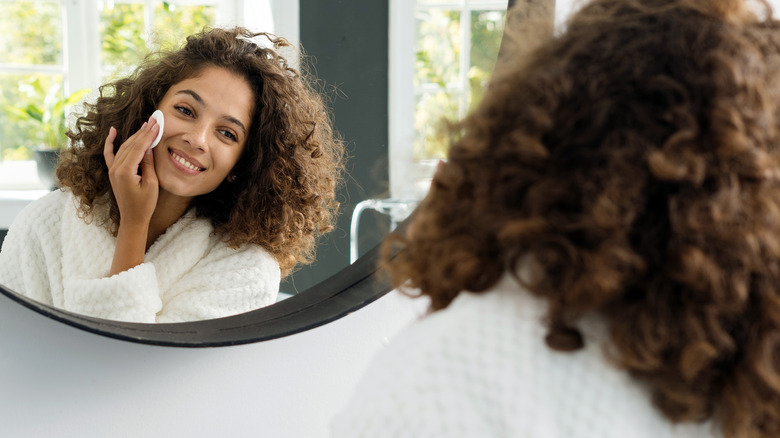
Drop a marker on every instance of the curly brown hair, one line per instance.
(284, 194)
(631, 166)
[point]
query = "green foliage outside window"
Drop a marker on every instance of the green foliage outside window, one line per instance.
(125, 41)
(31, 33)
(440, 93)
(18, 137)
(173, 24)
(122, 35)
(41, 107)
(487, 30)
(30, 103)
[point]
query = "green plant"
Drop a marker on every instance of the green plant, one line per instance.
(43, 109)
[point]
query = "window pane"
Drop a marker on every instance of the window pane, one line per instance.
(32, 33)
(487, 29)
(28, 118)
(438, 47)
(431, 109)
(123, 42)
(126, 36)
(440, 92)
(173, 23)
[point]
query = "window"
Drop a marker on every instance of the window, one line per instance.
(446, 64)
(52, 50)
(31, 66)
(129, 30)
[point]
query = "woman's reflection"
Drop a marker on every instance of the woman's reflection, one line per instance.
(204, 224)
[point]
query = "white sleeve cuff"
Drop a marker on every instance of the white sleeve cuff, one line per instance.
(132, 295)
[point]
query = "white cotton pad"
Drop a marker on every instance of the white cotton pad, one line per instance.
(158, 115)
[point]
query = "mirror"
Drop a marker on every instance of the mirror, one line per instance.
(347, 43)
(357, 32)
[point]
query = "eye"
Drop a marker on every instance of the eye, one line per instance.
(228, 134)
(184, 110)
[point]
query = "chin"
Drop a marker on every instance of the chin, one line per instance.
(179, 189)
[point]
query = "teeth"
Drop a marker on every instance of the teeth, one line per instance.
(184, 162)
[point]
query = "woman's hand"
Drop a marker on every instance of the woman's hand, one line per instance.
(136, 195)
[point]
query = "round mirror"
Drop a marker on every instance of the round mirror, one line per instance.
(352, 52)
(342, 293)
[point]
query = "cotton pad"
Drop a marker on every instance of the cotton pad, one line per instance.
(158, 115)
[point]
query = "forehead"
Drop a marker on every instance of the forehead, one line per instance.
(220, 90)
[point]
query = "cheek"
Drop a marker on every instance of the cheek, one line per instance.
(160, 151)
(242, 152)
(171, 126)
(229, 158)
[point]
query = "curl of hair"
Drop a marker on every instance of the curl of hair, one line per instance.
(632, 163)
(284, 194)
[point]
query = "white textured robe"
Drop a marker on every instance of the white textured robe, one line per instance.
(53, 256)
(481, 368)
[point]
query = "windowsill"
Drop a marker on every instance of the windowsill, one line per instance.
(19, 186)
(19, 176)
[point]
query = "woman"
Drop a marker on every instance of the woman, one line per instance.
(602, 248)
(202, 225)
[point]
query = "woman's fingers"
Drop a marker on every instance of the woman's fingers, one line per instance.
(135, 192)
(108, 147)
(132, 151)
(147, 168)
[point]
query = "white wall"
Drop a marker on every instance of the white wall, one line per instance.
(59, 381)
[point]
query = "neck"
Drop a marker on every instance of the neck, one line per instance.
(168, 210)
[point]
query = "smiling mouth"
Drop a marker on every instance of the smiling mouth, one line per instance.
(184, 162)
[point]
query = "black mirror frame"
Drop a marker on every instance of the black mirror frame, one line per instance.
(352, 288)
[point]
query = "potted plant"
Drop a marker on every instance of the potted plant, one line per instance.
(44, 110)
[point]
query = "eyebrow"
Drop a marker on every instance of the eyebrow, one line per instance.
(200, 100)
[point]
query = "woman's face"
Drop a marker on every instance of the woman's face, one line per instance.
(207, 121)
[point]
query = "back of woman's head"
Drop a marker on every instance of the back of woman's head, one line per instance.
(283, 196)
(631, 166)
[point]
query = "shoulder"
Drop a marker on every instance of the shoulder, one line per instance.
(504, 315)
(51, 203)
(481, 367)
(449, 373)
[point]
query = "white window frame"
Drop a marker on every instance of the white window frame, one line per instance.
(81, 33)
(410, 178)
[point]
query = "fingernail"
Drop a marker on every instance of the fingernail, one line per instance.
(151, 119)
(144, 125)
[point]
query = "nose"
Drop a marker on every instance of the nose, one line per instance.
(197, 136)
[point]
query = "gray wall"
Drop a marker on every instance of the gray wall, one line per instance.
(348, 43)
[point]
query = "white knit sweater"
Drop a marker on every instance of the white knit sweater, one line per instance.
(53, 256)
(481, 368)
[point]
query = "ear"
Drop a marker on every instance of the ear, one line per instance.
(231, 178)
